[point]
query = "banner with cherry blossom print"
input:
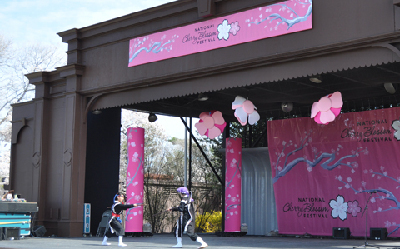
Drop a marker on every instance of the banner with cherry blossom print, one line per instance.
(323, 175)
(255, 24)
(233, 184)
(134, 179)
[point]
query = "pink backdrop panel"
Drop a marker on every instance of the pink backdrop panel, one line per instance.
(134, 179)
(255, 24)
(323, 175)
(233, 184)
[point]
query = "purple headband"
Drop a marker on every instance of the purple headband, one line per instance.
(183, 190)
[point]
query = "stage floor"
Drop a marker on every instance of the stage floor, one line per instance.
(167, 240)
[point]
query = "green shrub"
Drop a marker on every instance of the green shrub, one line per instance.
(209, 222)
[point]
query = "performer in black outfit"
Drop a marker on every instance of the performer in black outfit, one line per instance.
(187, 221)
(116, 222)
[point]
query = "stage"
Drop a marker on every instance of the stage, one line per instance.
(167, 240)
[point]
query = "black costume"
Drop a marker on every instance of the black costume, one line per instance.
(115, 222)
(187, 221)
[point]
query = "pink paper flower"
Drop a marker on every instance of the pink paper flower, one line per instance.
(234, 28)
(244, 109)
(327, 108)
(211, 124)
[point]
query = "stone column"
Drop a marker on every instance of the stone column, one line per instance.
(73, 154)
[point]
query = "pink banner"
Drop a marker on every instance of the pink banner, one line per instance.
(324, 175)
(233, 184)
(255, 24)
(134, 179)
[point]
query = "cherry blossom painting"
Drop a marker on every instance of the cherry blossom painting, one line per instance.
(325, 175)
(260, 23)
(135, 178)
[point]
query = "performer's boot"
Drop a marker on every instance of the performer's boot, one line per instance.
(203, 244)
(120, 241)
(178, 242)
(104, 243)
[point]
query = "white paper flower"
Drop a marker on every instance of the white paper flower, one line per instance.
(245, 110)
(396, 126)
(339, 208)
(223, 30)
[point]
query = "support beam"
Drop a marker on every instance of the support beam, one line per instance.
(190, 157)
(202, 152)
(205, 8)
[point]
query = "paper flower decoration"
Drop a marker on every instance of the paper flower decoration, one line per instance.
(396, 127)
(327, 108)
(211, 124)
(244, 109)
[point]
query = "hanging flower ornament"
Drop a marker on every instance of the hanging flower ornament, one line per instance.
(396, 127)
(211, 124)
(327, 108)
(245, 110)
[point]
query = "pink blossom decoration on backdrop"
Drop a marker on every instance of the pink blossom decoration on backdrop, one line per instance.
(327, 108)
(245, 110)
(211, 124)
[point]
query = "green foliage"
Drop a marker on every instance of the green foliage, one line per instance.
(173, 140)
(209, 222)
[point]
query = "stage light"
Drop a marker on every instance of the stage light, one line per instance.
(202, 97)
(316, 79)
(389, 88)
(96, 112)
(152, 117)
(287, 106)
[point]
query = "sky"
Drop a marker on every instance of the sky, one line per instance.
(28, 22)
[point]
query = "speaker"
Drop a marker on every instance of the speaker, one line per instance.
(39, 231)
(340, 232)
(378, 233)
(11, 232)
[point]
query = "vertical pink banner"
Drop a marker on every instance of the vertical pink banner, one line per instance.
(134, 179)
(233, 184)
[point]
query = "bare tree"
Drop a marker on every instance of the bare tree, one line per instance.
(5, 54)
(164, 172)
(158, 156)
(15, 86)
(15, 63)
